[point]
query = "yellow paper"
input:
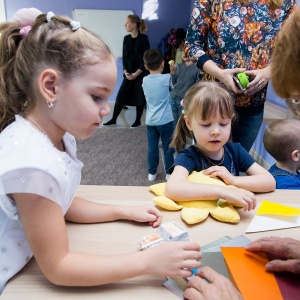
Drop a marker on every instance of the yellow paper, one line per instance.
(271, 208)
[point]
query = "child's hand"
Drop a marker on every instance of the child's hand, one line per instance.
(172, 66)
(146, 213)
(240, 196)
(220, 172)
(173, 259)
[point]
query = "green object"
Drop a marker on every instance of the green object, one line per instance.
(243, 79)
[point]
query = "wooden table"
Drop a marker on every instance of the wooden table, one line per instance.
(122, 237)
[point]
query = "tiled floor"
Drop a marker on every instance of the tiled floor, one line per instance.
(126, 117)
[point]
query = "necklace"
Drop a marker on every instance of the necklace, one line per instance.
(35, 125)
(213, 164)
(42, 131)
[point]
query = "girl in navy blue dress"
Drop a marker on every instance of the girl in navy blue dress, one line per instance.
(207, 116)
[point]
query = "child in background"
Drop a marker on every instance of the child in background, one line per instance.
(282, 141)
(159, 118)
(178, 51)
(183, 76)
(56, 78)
(208, 112)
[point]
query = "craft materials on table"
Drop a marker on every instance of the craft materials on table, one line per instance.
(168, 232)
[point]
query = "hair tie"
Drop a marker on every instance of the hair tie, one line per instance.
(49, 16)
(75, 25)
(26, 16)
(182, 102)
(24, 31)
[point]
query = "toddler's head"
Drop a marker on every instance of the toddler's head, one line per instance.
(153, 59)
(281, 138)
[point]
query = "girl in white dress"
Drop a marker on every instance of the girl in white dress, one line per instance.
(55, 80)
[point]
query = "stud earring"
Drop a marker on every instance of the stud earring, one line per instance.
(50, 104)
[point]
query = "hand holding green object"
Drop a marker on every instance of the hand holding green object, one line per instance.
(242, 80)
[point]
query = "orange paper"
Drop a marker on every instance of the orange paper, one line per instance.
(248, 272)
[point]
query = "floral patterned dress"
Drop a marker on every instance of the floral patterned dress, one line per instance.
(235, 35)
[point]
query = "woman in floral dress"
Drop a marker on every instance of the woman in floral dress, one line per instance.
(230, 36)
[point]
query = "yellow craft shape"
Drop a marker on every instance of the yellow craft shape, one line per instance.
(197, 210)
(199, 203)
(226, 213)
(200, 177)
(194, 215)
(158, 189)
(166, 203)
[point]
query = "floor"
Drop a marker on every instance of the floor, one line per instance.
(126, 117)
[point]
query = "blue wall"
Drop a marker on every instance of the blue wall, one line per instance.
(171, 14)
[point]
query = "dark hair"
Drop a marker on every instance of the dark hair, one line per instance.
(140, 23)
(281, 138)
(203, 100)
(153, 59)
(47, 45)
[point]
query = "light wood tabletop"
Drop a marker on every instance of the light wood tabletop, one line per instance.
(122, 237)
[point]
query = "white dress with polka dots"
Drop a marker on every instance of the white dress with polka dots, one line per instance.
(29, 163)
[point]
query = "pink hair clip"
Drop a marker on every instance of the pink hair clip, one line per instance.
(182, 102)
(24, 31)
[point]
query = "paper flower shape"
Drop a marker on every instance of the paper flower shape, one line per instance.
(196, 211)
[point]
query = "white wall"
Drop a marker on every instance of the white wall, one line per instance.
(2, 11)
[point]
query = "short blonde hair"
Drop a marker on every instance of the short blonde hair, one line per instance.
(281, 138)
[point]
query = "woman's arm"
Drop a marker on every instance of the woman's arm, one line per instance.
(198, 28)
(144, 45)
(195, 45)
(223, 75)
(124, 55)
(260, 77)
(45, 229)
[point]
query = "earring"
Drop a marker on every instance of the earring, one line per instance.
(50, 104)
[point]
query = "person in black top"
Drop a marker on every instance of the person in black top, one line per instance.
(131, 92)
